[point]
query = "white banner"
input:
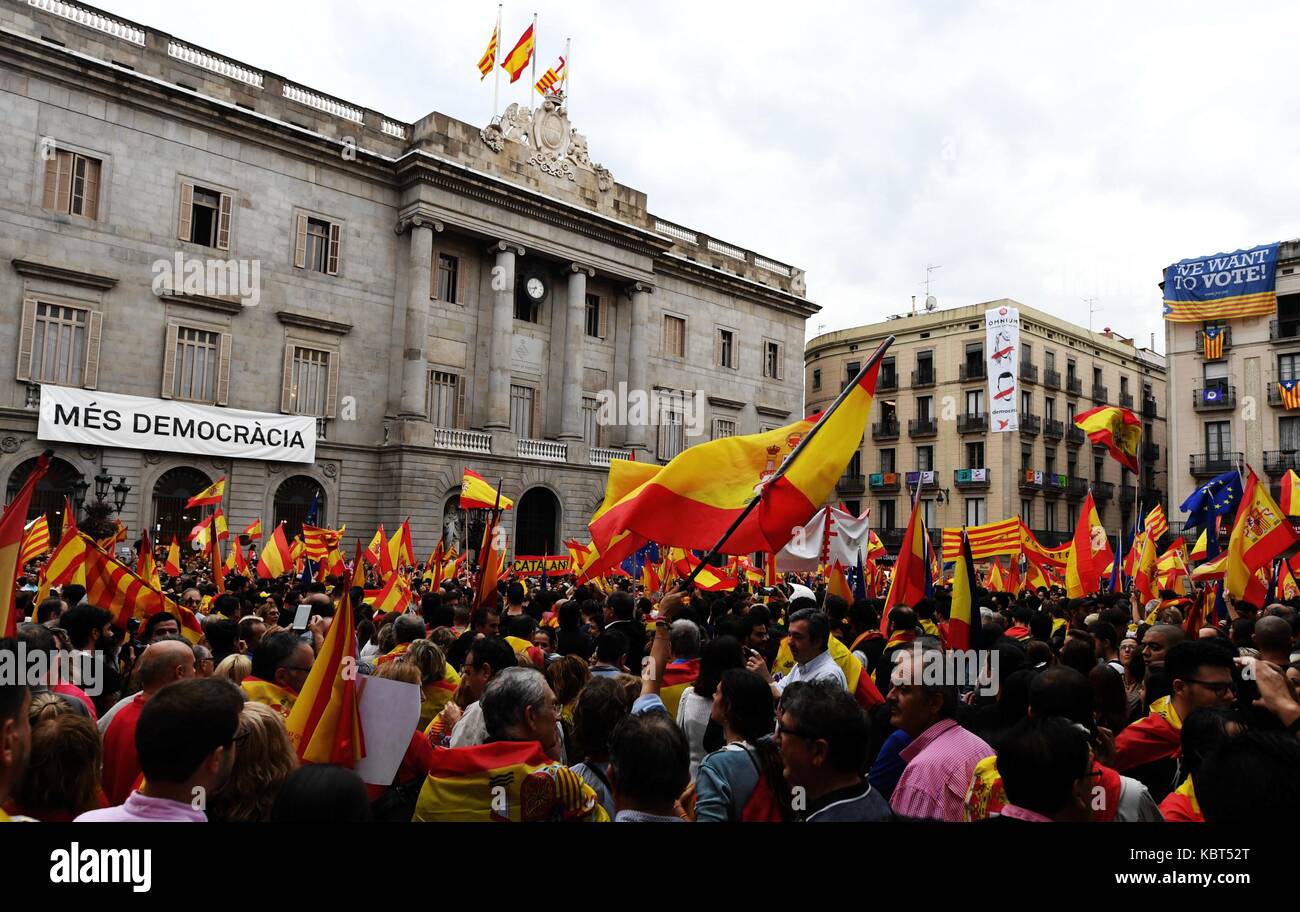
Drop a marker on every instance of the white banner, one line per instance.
(848, 535)
(166, 426)
(1002, 351)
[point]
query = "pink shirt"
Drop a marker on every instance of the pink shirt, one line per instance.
(940, 764)
(141, 808)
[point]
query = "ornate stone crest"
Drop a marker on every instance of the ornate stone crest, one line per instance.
(558, 149)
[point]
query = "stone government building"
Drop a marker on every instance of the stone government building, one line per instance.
(437, 295)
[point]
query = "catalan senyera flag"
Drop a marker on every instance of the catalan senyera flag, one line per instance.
(173, 565)
(1261, 533)
(962, 611)
(550, 78)
(911, 569)
(401, 552)
(254, 529)
(697, 497)
(1157, 524)
(36, 540)
(489, 58)
(325, 723)
(111, 585)
(112, 541)
(1115, 428)
(477, 494)
(318, 543)
(1090, 554)
(12, 525)
(210, 496)
(1289, 497)
(67, 564)
(276, 558)
(989, 540)
(516, 61)
(1212, 339)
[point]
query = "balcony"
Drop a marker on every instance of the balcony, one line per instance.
(885, 482)
(1051, 378)
(1103, 490)
(1149, 407)
(972, 424)
(1053, 428)
(885, 430)
(922, 427)
(1076, 488)
(1128, 494)
(1210, 398)
(603, 456)
(1100, 394)
(1074, 386)
(1074, 435)
(544, 450)
(888, 382)
(1028, 372)
(970, 479)
(1125, 400)
(1208, 464)
(1225, 334)
(1052, 538)
(891, 538)
(462, 440)
(1151, 497)
(1283, 329)
(1277, 462)
(1275, 391)
(927, 480)
(1030, 424)
(1031, 480)
(971, 371)
(850, 485)
(922, 377)
(1150, 451)
(1054, 485)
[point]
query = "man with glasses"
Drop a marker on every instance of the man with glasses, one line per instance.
(281, 663)
(1200, 675)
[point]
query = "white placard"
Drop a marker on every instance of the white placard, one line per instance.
(1002, 351)
(166, 426)
(390, 711)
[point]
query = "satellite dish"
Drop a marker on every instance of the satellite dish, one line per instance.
(931, 302)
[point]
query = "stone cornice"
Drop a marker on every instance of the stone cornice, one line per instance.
(772, 411)
(720, 402)
(311, 321)
(48, 271)
(737, 285)
(206, 302)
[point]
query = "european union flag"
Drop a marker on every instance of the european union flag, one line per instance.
(1217, 497)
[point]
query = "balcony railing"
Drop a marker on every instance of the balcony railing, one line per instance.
(1128, 494)
(1074, 386)
(891, 538)
(885, 430)
(1275, 391)
(885, 481)
(967, 479)
(1051, 378)
(603, 456)
(1074, 435)
(1209, 398)
(1149, 408)
(922, 427)
(462, 440)
(545, 450)
(1225, 333)
(972, 424)
(888, 382)
(1055, 484)
(970, 371)
(1276, 462)
(1213, 463)
(1031, 480)
(1054, 428)
(1150, 451)
(851, 484)
(1283, 329)
(923, 377)
(1076, 487)
(1030, 424)
(928, 480)
(1125, 400)
(1028, 372)
(1103, 490)
(1100, 394)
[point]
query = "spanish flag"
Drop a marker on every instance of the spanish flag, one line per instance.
(838, 584)
(477, 494)
(209, 496)
(1214, 569)
(276, 558)
(996, 582)
(677, 677)
(145, 566)
(36, 540)
(489, 58)
(214, 558)
(254, 529)
(698, 497)
(710, 578)
(433, 571)
(911, 568)
(491, 564)
(602, 554)
(1289, 499)
(395, 595)
(517, 60)
(1115, 428)
(173, 565)
(1261, 533)
(1090, 553)
(650, 579)
(401, 552)
(377, 552)
(1145, 570)
(962, 611)
(324, 724)
(11, 542)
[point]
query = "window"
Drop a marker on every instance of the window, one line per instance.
(854, 468)
(1216, 374)
(674, 341)
(521, 410)
(976, 513)
(974, 359)
(526, 309)
(1218, 439)
(1051, 516)
(1027, 353)
(1123, 386)
(316, 245)
(1049, 409)
(1026, 402)
(927, 513)
(1072, 465)
(446, 402)
(591, 428)
(194, 369)
(1288, 434)
(887, 461)
(975, 402)
(925, 459)
(1071, 370)
(72, 184)
(888, 514)
(1049, 462)
(850, 371)
(448, 278)
(1027, 512)
(773, 365)
(1026, 458)
(59, 344)
(205, 218)
(672, 434)
(725, 427)
(1049, 360)
(1288, 367)
(1070, 409)
(1096, 376)
(311, 380)
(726, 348)
(975, 455)
(817, 378)
(923, 409)
(888, 374)
(596, 319)
(1072, 516)
(1098, 468)
(925, 366)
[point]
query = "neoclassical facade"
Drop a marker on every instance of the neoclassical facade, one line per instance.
(180, 226)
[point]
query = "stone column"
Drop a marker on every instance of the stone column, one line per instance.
(638, 358)
(575, 327)
(415, 364)
(503, 331)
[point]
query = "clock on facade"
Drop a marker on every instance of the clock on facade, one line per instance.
(535, 288)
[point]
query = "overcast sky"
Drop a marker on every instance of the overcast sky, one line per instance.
(1044, 152)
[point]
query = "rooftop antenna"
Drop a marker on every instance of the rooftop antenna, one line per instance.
(1092, 306)
(930, 301)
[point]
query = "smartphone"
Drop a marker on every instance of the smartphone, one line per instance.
(302, 618)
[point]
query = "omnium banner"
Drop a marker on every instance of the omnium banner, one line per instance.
(1226, 286)
(1002, 348)
(167, 426)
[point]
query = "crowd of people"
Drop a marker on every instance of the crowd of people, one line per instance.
(559, 701)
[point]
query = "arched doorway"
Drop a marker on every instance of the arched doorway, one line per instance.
(49, 493)
(537, 522)
(293, 504)
(469, 537)
(170, 492)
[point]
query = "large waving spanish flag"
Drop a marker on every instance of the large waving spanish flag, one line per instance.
(697, 497)
(517, 60)
(1115, 428)
(477, 494)
(12, 525)
(603, 554)
(1090, 553)
(209, 496)
(1261, 533)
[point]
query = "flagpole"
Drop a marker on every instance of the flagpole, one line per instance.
(789, 460)
(531, 100)
(568, 56)
(496, 60)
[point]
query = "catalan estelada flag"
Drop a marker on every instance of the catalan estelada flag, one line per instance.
(173, 565)
(276, 558)
(477, 494)
(1261, 533)
(489, 58)
(1289, 498)
(254, 529)
(699, 496)
(677, 677)
(1090, 553)
(1212, 339)
(517, 60)
(911, 569)
(962, 611)
(209, 496)
(325, 724)
(1289, 390)
(36, 540)
(1115, 428)
(989, 540)
(12, 525)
